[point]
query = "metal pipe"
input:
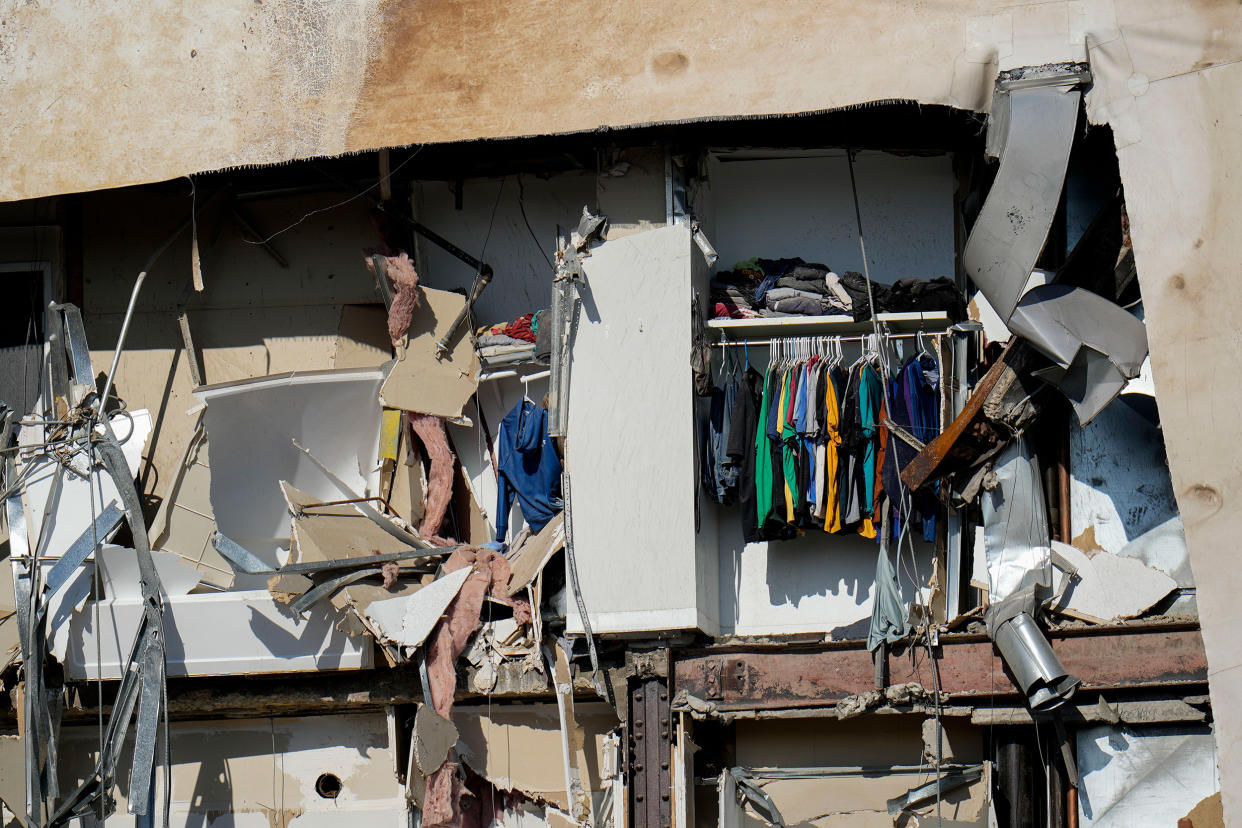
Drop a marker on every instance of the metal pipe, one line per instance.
(1071, 807)
(755, 343)
(133, 299)
(1063, 488)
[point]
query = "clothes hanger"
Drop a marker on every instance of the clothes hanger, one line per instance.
(923, 350)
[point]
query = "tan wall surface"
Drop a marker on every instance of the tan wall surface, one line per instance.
(99, 96)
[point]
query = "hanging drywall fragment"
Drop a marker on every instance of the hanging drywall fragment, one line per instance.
(1109, 587)
(417, 380)
(572, 737)
(252, 426)
(338, 530)
(425, 608)
(528, 560)
(433, 737)
(1095, 345)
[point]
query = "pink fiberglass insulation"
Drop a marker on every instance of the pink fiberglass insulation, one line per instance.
(405, 297)
(442, 802)
(430, 429)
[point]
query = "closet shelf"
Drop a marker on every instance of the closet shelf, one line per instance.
(826, 325)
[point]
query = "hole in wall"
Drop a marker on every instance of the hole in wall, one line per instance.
(328, 785)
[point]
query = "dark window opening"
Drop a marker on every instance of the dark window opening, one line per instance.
(21, 314)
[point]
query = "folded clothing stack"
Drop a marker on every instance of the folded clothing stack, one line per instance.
(793, 287)
(522, 331)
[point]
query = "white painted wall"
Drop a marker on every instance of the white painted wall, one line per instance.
(786, 207)
(490, 225)
(261, 772)
(817, 583)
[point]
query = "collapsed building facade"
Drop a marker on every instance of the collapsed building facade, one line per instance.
(765, 458)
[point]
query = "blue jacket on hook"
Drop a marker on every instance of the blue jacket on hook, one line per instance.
(529, 468)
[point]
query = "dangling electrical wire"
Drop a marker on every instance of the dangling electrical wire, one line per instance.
(906, 498)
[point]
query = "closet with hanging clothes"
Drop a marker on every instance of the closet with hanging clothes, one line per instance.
(807, 445)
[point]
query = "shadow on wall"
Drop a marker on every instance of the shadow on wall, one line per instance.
(818, 582)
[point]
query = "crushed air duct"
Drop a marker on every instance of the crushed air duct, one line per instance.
(1095, 345)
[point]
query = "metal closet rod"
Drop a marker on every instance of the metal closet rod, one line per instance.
(738, 343)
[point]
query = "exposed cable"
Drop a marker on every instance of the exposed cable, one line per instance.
(534, 238)
(352, 198)
(906, 498)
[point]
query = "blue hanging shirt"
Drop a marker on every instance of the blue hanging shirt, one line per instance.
(529, 468)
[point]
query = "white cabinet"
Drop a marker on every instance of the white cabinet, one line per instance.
(631, 441)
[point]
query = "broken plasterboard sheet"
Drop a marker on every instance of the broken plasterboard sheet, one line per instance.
(252, 426)
(326, 533)
(419, 381)
(433, 737)
(1143, 776)
(1108, 587)
(212, 634)
(362, 337)
(1163, 548)
(408, 620)
(518, 747)
(118, 565)
(529, 559)
(82, 498)
(185, 523)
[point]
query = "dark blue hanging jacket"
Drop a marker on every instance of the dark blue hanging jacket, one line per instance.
(529, 468)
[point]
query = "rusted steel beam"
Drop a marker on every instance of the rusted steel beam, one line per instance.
(968, 669)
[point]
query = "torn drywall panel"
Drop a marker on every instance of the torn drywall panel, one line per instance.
(518, 747)
(84, 492)
(1107, 587)
(418, 380)
(1143, 775)
(185, 522)
(426, 607)
(433, 737)
(1164, 548)
(528, 560)
(324, 533)
(362, 338)
(252, 425)
(211, 634)
(408, 619)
